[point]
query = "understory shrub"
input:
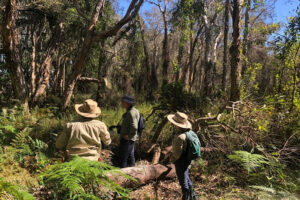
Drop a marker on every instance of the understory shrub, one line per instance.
(12, 192)
(83, 179)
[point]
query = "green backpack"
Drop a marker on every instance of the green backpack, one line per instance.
(193, 145)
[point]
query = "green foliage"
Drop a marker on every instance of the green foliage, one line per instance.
(83, 179)
(174, 97)
(9, 191)
(266, 193)
(250, 162)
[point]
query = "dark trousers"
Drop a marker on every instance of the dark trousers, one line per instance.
(182, 172)
(127, 153)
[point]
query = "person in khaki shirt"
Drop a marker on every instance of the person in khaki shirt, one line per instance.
(83, 137)
(179, 157)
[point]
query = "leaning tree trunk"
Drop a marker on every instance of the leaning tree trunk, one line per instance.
(225, 50)
(83, 54)
(44, 74)
(91, 37)
(11, 38)
(235, 51)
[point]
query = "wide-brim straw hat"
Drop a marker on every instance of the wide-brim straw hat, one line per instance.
(88, 109)
(180, 119)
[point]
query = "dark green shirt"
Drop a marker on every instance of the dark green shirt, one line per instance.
(129, 124)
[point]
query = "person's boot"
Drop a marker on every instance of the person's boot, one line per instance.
(186, 195)
(193, 194)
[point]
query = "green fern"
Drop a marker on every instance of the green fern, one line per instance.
(83, 179)
(9, 191)
(249, 162)
(20, 139)
(267, 193)
(37, 145)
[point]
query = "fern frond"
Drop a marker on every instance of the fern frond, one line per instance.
(80, 178)
(20, 138)
(272, 194)
(249, 162)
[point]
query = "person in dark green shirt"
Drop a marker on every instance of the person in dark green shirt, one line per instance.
(128, 132)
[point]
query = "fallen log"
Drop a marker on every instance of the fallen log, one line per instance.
(143, 174)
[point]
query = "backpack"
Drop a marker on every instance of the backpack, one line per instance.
(193, 145)
(141, 125)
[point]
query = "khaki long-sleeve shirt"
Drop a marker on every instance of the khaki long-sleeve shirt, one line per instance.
(129, 124)
(179, 145)
(83, 138)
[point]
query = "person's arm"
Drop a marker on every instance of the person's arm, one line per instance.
(104, 135)
(177, 146)
(62, 139)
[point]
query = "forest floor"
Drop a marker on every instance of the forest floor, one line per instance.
(28, 152)
(170, 190)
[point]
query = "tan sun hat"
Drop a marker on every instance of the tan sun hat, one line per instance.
(88, 109)
(180, 119)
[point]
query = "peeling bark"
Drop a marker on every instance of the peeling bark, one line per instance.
(12, 49)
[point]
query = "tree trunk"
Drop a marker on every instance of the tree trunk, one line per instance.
(166, 48)
(58, 74)
(225, 54)
(154, 79)
(214, 59)
(102, 73)
(44, 74)
(147, 57)
(181, 72)
(92, 37)
(246, 36)
(207, 60)
(82, 56)
(158, 130)
(33, 64)
(12, 49)
(235, 51)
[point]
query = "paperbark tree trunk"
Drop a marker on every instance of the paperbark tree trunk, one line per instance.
(33, 64)
(102, 73)
(235, 51)
(83, 54)
(225, 50)
(12, 49)
(44, 74)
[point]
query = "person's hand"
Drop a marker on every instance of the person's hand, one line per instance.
(111, 128)
(126, 137)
